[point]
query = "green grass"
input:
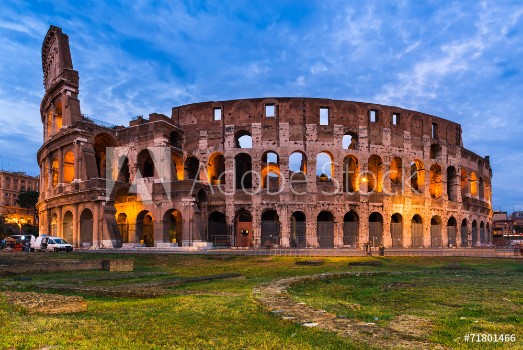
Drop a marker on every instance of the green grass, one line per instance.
(223, 314)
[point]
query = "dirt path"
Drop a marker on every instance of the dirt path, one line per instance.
(275, 297)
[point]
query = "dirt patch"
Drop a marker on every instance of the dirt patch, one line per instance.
(365, 263)
(46, 303)
(411, 325)
(310, 262)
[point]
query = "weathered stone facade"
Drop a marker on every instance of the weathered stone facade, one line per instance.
(301, 172)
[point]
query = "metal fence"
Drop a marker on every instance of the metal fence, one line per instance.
(350, 233)
(376, 233)
(435, 236)
(298, 238)
(451, 234)
(396, 232)
(270, 233)
(417, 235)
(325, 234)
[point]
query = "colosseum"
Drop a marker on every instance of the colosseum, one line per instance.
(260, 172)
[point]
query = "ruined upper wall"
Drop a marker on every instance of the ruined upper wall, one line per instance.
(299, 112)
(56, 56)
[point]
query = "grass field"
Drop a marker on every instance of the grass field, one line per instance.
(457, 295)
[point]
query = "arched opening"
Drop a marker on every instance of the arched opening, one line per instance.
(176, 140)
(325, 229)
(396, 230)
(416, 228)
(482, 234)
(124, 174)
(474, 233)
(375, 174)
(435, 151)
(146, 163)
(145, 228)
(417, 176)
(192, 167)
(270, 228)
(243, 228)
(217, 229)
(243, 171)
(177, 168)
(350, 174)
(436, 181)
(351, 229)
(101, 142)
(324, 167)
(452, 230)
(396, 175)
(243, 139)
(298, 238)
(452, 185)
(376, 229)
(297, 170)
(86, 228)
(216, 169)
(54, 225)
(464, 183)
(488, 191)
(481, 188)
(270, 177)
(123, 227)
(464, 234)
(54, 172)
(173, 225)
(489, 234)
(435, 232)
(58, 121)
(69, 167)
(473, 184)
(67, 227)
(349, 141)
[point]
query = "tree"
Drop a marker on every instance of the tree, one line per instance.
(28, 200)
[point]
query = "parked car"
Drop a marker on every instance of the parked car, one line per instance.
(50, 244)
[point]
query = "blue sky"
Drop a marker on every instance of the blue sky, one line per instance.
(458, 60)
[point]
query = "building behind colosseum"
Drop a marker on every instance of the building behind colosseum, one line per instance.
(263, 172)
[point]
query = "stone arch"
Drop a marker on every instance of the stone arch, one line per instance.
(270, 228)
(349, 141)
(452, 186)
(452, 229)
(297, 170)
(436, 181)
(474, 233)
(124, 174)
(243, 226)
(243, 139)
(416, 228)
(86, 228)
(396, 230)
(101, 142)
(435, 151)
(177, 168)
(68, 169)
(481, 188)
(217, 229)
(216, 168)
(351, 229)
(298, 234)
(464, 233)
(325, 229)
(350, 174)
(435, 232)
(417, 176)
(376, 229)
(473, 184)
(270, 177)
(67, 227)
(146, 163)
(324, 166)
(173, 227)
(54, 224)
(192, 168)
(375, 174)
(243, 171)
(482, 235)
(145, 228)
(123, 227)
(396, 174)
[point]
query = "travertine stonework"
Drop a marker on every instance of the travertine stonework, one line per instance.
(372, 173)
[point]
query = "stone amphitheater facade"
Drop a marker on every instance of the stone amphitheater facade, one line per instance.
(261, 172)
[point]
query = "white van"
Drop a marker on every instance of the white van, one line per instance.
(50, 244)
